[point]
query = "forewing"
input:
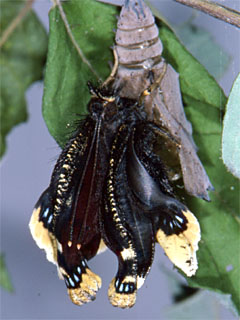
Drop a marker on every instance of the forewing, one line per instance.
(126, 229)
(65, 219)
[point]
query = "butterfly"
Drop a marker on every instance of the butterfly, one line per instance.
(110, 189)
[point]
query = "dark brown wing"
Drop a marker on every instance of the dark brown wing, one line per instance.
(126, 230)
(175, 227)
(65, 219)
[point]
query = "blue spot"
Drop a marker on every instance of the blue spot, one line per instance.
(178, 224)
(171, 225)
(71, 282)
(50, 219)
(121, 288)
(117, 283)
(83, 263)
(179, 219)
(45, 213)
(76, 277)
(126, 288)
(132, 287)
(79, 270)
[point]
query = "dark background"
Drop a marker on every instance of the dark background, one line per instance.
(25, 173)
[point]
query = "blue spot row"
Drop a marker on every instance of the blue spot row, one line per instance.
(45, 213)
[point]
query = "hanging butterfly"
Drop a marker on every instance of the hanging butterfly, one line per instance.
(140, 63)
(109, 188)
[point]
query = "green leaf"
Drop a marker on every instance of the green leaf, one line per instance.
(66, 93)
(194, 79)
(192, 303)
(21, 63)
(219, 254)
(5, 281)
(203, 46)
(231, 131)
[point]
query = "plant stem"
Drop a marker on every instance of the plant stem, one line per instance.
(214, 9)
(15, 22)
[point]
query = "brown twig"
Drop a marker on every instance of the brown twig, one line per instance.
(15, 22)
(69, 31)
(214, 9)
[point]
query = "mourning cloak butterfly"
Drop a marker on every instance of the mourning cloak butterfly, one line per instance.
(110, 189)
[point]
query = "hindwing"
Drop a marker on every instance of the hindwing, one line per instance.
(175, 227)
